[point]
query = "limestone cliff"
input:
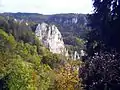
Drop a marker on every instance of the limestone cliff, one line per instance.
(51, 38)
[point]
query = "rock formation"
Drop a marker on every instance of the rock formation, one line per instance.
(74, 55)
(51, 38)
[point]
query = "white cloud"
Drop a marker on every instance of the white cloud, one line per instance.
(47, 6)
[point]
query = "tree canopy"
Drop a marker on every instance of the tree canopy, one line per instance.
(101, 67)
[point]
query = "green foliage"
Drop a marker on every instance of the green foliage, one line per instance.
(79, 44)
(80, 41)
(3, 23)
(51, 59)
(20, 62)
(67, 77)
(25, 64)
(21, 76)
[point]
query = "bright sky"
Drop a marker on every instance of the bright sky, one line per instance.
(46, 6)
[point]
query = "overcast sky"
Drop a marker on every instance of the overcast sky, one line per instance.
(46, 6)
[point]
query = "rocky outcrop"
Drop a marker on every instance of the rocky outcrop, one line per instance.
(76, 56)
(51, 38)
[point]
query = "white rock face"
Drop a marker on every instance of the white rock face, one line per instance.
(51, 38)
(75, 55)
(82, 53)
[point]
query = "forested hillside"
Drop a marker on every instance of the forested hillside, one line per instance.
(72, 26)
(25, 64)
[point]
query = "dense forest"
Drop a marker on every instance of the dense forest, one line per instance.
(26, 64)
(72, 26)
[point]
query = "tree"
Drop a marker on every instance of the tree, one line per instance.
(105, 23)
(20, 66)
(67, 77)
(102, 67)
